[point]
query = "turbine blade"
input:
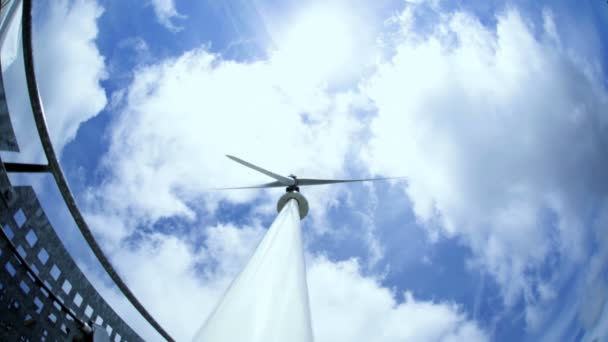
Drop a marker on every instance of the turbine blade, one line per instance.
(286, 181)
(275, 184)
(311, 181)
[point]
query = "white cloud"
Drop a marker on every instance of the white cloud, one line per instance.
(497, 131)
(180, 285)
(347, 306)
(181, 116)
(592, 301)
(69, 69)
(166, 12)
(490, 127)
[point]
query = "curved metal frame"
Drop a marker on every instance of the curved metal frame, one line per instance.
(56, 171)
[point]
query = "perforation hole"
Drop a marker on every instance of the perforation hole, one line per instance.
(46, 282)
(55, 272)
(20, 218)
(24, 287)
(43, 256)
(67, 286)
(31, 238)
(88, 311)
(78, 299)
(10, 268)
(109, 330)
(38, 304)
(9, 232)
(21, 251)
(99, 320)
(36, 271)
(117, 338)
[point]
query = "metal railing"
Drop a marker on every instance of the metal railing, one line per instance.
(54, 168)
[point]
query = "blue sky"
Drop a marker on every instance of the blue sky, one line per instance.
(492, 110)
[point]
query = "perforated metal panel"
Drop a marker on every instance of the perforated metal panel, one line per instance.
(26, 311)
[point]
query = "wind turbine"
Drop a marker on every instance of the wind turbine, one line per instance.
(268, 300)
(292, 185)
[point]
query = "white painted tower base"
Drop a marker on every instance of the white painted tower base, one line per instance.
(268, 300)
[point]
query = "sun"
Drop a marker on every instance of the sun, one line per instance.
(317, 44)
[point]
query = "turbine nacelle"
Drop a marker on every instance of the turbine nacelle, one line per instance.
(294, 186)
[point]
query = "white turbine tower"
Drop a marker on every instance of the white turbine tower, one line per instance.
(268, 300)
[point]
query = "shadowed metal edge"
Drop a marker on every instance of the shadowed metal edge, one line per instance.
(57, 172)
(8, 140)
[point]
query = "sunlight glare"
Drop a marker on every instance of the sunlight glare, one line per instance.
(318, 45)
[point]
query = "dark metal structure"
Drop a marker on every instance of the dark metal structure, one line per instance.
(43, 293)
